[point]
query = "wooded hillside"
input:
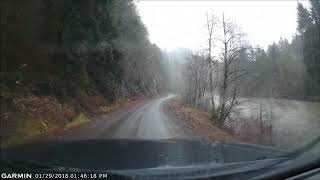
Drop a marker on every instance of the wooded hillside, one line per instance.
(72, 48)
(64, 61)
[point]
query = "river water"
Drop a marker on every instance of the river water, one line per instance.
(295, 123)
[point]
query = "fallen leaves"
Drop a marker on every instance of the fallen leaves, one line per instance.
(197, 120)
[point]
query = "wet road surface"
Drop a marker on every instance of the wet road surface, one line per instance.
(145, 120)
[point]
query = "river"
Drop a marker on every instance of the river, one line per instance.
(294, 122)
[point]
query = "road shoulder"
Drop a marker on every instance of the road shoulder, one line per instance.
(196, 121)
(103, 123)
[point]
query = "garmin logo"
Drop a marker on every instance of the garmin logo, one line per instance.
(16, 176)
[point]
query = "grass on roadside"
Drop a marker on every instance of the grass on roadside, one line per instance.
(114, 106)
(26, 130)
(76, 121)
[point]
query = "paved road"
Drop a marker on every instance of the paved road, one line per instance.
(145, 120)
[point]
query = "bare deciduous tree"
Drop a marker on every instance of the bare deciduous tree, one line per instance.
(206, 73)
(231, 45)
(196, 74)
(211, 22)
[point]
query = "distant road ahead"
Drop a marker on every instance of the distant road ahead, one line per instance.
(145, 120)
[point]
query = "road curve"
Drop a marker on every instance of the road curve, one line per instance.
(146, 120)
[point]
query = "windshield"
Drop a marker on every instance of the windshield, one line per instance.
(216, 71)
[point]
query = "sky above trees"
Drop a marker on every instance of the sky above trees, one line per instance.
(174, 24)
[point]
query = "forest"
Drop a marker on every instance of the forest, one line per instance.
(74, 48)
(64, 61)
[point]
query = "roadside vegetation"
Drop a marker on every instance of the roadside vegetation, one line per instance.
(198, 121)
(31, 116)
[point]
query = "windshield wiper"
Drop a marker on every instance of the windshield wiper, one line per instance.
(308, 147)
(292, 170)
(306, 164)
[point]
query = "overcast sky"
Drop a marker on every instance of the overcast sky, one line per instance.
(174, 24)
